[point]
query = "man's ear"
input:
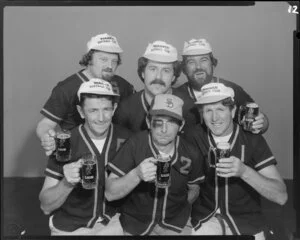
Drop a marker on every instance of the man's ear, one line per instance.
(143, 75)
(79, 109)
(233, 111)
(115, 107)
(182, 125)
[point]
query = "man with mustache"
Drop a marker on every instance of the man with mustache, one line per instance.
(148, 209)
(198, 65)
(101, 60)
(158, 69)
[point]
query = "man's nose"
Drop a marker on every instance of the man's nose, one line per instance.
(100, 116)
(164, 128)
(198, 65)
(158, 75)
(215, 116)
(108, 64)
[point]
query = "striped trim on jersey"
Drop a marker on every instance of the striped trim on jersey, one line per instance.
(151, 224)
(84, 137)
(53, 174)
(145, 104)
(96, 189)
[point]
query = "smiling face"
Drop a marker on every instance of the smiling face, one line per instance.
(158, 77)
(98, 113)
(218, 118)
(199, 70)
(103, 65)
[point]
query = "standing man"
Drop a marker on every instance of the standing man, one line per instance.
(101, 61)
(158, 69)
(147, 209)
(198, 65)
(229, 201)
(74, 210)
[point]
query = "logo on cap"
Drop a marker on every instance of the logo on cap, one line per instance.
(97, 86)
(161, 51)
(214, 92)
(104, 42)
(196, 46)
(170, 103)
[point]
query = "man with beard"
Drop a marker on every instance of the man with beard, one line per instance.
(198, 65)
(100, 61)
(230, 199)
(148, 209)
(73, 209)
(158, 69)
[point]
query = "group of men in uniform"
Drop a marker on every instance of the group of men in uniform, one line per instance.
(128, 130)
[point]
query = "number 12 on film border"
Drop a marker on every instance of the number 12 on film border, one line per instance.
(293, 9)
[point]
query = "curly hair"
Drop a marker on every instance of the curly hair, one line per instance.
(142, 63)
(87, 58)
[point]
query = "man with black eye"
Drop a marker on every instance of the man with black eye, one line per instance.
(148, 209)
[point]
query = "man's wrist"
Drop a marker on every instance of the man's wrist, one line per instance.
(68, 184)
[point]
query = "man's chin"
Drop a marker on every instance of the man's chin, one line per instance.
(163, 142)
(107, 77)
(158, 90)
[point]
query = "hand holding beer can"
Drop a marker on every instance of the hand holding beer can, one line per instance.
(88, 171)
(247, 115)
(221, 151)
(163, 172)
(63, 145)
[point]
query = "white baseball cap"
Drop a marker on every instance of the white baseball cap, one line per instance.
(104, 42)
(97, 86)
(196, 47)
(214, 92)
(161, 51)
(167, 104)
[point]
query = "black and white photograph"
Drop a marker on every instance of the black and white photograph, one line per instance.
(150, 119)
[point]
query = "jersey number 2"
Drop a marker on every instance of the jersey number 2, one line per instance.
(187, 163)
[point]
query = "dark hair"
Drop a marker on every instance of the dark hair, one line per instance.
(228, 102)
(83, 96)
(142, 63)
(87, 58)
(184, 58)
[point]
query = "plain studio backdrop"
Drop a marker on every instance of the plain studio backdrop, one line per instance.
(43, 45)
